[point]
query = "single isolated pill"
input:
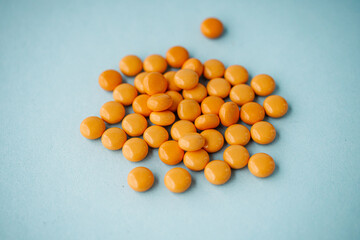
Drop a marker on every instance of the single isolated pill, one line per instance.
(275, 106)
(176, 56)
(236, 156)
(211, 105)
(214, 140)
(130, 65)
(155, 136)
(213, 68)
(237, 134)
(140, 179)
(113, 138)
(169, 76)
(236, 74)
(263, 132)
(177, 180)
(188, 109)
(212, 27)
(92, 127)
(181, 128)
(207, 121)
(197, 93)
(154, 83)
(263, 84)
(112, 112)
(155, 63)
(241, 94)
(125, 94)
(170, 153)
(217, 172)
(135, 149)
(186, 79)
(164, 118)
(109, 79)
(251, 113)
(139, 82)
(261, 165)
(159, 102)
(195, 65)
(218, 87)
(229, 114)
(139, 105)
(134, 124)
(177, 98)
(197, 160)
(191, 142)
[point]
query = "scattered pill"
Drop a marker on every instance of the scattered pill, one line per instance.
(214, 140)
(181, 128)
(236, 74)
(191, 142)
(112, 112)
(217, 172)
(207, 121)
(155, 63)
(92, 127)
(186, 79)
(261, 165)
(263, 84)
(241, 94)
(134, 124)
(177, 98)
(170, 153)
(169, 76)
(125, 94)
(263, 132)
(251, 113)
(188, 109)
(140, 179)
(213, 68)
(229, 114)
(237, 134)
(159, 102)
(176, 56)
(197, 93)
(130, 65)
(155, 136)
(197, 160)
(177, 180)
(211, 105)
(218, 87)
(154, 83)
(139, 82)
(212, 28)
(109, 80)
(195, 65)
(164, 118)
(113, 138)
(139, 105)
(275, 106)
(135, 149)
(236, 156)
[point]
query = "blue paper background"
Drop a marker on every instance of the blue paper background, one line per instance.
(54, 184)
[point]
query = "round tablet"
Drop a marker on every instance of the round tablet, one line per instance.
(211, 104)
(154, 83)
(159, 102)
(275, 106)
(169, 76)
(212, 28)
(217, 172)
(241, 94)
(134, 124)
(164, 118)
(112, 112)
(140, 179)
(236, 74)
(251, 113)
(113, 138)
(155, 63)
(155, 136)
(237, 134)
(261, 165)
(139, 105)
(207, 121)
(170, 153)
(214, 140)
(191, 142)
(135, 149)
(218, 87)
(213, 69)
(229, 114)
(130, 65)
(186, 79)
(109, 79)
(177, 98)
(181, 128)
(196, 160)
(125, 94)
(236, 156)
(139, 82)
(92, 127)
(176, 56)
(197, 93)
(263, 84)
(177, 180)
(188, 109)
(263, 132)
(195, 65)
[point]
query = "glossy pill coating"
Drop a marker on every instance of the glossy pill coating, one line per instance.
(236, 156)
(195, 65)
(212, 28)
(130, 65)
(196, 160)
(188, 109)
(217, 172)
(92, 127)
(241, 94)
(261, 165)
(176, 56)
(134, 124)
(125, 94)
(113, 138)
(155, 136)
(211, 104)
(263, 84)
(139, 82)
(112, 112)
(139, 105)
(275, 106)
(229, 114)
(197, 93)
(191, 142)
(207, 121)
(177, 180)
(236, 74)
(251, 113)
(263, 132)
(159, 102)
(169, 76)
(181, 128)
(213, 68)
(155, 63)
(218, 87)
(170, 153)
(109, 79)
(237, 134)
(214, 140)
(186, 79)
(154, 83)
(164, 118)
(140, 179)
(176, 99)
(135, 149)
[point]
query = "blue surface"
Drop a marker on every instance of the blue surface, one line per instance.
(54, 184)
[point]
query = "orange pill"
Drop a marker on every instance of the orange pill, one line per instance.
(177, 98)
(186, 79)
(139, 105)
(241, 94)
(112, 112)
(109, 79)
(125, 94)
(263, 84)
(155, 136)
(176, 56)
(177, 180)
(261, 165)
(229, 114)
(218, 87)
(191, 142)
(251, 113)
(155, 63)
(170, 153)
(263, 132)
(188, 109)
(237, 134)
(196, 160)
(135, 149)
(275, 106)
(92, 127)
(113, 138)
(236, 156)
(212, 28)
(195, 65)
(236, 74)
(140, 179)
(159, 102)
(211, 105)
(139, 82)
(214, 140)
(197, 93)
(134, 124)
(169, 76)
(130, 65)
(213, 69)
(154, 83)
(164, 118)
(217, 172)
(181, 128)
(207, 121)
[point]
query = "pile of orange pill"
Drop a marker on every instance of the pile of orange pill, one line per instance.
(194, 111)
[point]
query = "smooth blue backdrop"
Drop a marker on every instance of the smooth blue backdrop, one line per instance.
(54, 184)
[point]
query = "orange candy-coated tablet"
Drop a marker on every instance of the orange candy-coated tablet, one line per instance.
(155, 136)
(112, 112)
(188, 109)
(125, 94)
(213, 68)
(236, 156)
(140, 179)
(186, 79)
(236, 74)
(170, 153)
(218, 87)
(263, 84)
(176, 56)
(113, 138)
(154, 83)
(207, 121)
(139, 82)
(181, 128)
(177, 98)
(177, 180)
(251, 113)
(214, 140)
(196, 160)
(197, 93)
(212, 28)
(229, 114)
(164, 118)
(92, 127)
(155, 63)
(263, 132)
(159, 102)
(275, 106)
(139, 105)
(237, 134)
(130, 65)
(241, 94)
(169, 76)
(217, 172)
(109, 79)
(261, 165)
(211, 104)
(195, 65)
(191, 142)
(134, 124)
(135, 149)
